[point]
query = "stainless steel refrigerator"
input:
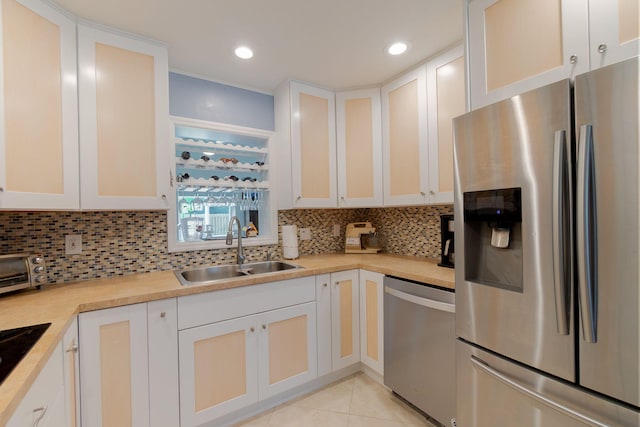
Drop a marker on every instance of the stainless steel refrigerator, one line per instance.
(548, 263)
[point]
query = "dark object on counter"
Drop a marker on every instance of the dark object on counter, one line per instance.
(15, 344)
(182, 176)
(186, 155)
(260, 163)
(215, 177)
(447, 249)
(371, 240)
(231, 177)
(249, 179)
(205, 158)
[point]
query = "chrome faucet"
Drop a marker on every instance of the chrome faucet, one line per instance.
(239, 252)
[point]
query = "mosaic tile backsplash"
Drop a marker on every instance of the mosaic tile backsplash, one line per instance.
(120, 243)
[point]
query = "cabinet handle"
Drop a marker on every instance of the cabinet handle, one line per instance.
(573, 59)
(422, 193)
(264, 327)
(252, 329)
(171, 179)
(163, 314)
(73, 348)
(42, 410)
(602, 48)
(324, 285)
(164, 197)
(1, 189)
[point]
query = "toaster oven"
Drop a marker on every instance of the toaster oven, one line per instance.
(20, 271)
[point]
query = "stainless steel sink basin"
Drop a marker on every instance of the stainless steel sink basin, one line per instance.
(204, 275)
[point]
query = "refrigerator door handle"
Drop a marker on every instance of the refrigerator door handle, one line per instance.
(483, 366)
(587, 235)
(561, 231)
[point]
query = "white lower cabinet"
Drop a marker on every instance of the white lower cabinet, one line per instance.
(371, 320)
(218, 369)
(128, 365)
(113, 367)
(260, 341)
(44, 403)
(345, 319)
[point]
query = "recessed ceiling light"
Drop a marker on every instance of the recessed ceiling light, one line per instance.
(208, 153)
(244, 52)
(397, 48)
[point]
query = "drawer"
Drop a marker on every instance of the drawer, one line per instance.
(201, 309)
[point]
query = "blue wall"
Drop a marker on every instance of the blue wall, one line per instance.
(205, 100)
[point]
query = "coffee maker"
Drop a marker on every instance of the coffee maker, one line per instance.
(447, 249)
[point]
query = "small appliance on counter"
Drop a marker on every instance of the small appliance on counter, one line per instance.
(361, 238)
(447, 252)
(20, 271)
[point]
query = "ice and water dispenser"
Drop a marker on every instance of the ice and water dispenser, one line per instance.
(493, 238)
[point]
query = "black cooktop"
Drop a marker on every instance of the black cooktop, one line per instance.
(15, 343)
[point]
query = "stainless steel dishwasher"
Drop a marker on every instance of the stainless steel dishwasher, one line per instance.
(419, 346)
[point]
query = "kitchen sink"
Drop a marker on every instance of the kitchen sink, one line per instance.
(206, 275)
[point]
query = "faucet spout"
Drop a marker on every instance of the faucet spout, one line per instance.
(239, 251)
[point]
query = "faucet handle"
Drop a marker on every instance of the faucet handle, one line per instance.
(269, 254)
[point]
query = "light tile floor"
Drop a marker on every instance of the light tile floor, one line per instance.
(356, 401)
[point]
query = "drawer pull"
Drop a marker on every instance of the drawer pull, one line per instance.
(42, 410)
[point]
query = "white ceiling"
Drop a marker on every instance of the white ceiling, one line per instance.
(338, 44)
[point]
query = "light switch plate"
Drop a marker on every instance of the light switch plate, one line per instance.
(73, 244)
(305, 234)
(336, 230)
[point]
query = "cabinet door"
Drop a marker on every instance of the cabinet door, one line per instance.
(114, 389)
(323, 322)
(614, 30)
(446, 100)
(71, 367)
(345, 319)
(38, 107)
(164, 399)
(404, 139)
(124, 116)
(371, 320)
(287, 348)
(43, 405)
(518, 45)
(359, 144)
(313, 147)
(218, 369)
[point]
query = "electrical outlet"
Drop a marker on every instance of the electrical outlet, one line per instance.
(305, 234)
(73, 244)
(336, 230)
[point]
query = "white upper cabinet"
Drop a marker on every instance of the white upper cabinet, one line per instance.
(446, 100)
(518, 45)
(313, 147)
(404, 139)
(359, 144)
(614, 31)
(124, 119)
(38, 107)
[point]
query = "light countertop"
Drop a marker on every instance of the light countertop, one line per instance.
(58, 304)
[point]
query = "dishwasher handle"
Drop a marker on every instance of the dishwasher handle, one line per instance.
(425, 302)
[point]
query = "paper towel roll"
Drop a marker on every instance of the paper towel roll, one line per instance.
(290, 252)
(290, 236)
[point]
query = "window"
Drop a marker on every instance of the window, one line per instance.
(221, 171)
